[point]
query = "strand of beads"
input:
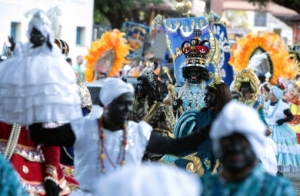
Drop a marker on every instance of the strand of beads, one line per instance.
(103, 150)
(12, 141)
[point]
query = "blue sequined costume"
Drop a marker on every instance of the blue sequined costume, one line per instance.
(200, 160)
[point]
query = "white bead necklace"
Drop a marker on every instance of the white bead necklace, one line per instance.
(12, 141)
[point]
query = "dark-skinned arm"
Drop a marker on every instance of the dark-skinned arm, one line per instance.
(59, 136)
(165, 145)
(289, 117)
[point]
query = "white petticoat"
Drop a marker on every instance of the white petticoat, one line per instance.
(38, 85)
(268, 157)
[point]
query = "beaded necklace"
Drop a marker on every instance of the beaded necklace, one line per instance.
(104, 152)
(12, 141)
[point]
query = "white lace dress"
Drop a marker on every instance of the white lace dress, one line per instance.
(38, 85)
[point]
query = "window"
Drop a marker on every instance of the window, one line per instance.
(15, 30)
(260, 19)
(80, 31)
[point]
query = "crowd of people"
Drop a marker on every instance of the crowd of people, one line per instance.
(205, 138)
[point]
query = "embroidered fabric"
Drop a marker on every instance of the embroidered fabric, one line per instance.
(30, 155)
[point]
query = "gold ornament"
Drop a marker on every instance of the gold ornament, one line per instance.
(183, 6)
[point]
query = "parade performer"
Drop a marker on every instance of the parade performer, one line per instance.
(277, 115)
(201, 160)
(238, 137)
(37, 166)
(106, 56)
(148, 106)
(37, 85)
(190, 96)
(246, 85)
(67, 154)
(97, 143)
(294, 95)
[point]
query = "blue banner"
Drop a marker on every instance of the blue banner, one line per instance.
(178, 30)
(136, 34)
(226, 70)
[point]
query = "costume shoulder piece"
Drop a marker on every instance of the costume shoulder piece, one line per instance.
(263, 52)
(106, 55)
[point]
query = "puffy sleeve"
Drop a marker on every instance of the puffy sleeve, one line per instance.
(144, 132)
(81, 128)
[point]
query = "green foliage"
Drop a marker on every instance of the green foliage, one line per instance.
(117, 11)
(290, 4)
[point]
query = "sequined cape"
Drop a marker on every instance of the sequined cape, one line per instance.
(200, 160)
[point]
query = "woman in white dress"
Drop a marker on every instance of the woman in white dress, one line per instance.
(278, 114)
(37, 84)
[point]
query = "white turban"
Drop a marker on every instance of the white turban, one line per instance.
(240, 118)
(149, 180)
(112, 89)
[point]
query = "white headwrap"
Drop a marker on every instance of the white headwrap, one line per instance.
(240, 118)
(41, 22)
(112, 89)
(149, 180)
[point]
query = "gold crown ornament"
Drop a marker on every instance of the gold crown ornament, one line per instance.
(196, 51)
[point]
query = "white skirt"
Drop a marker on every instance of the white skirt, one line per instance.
(39, 86)
(268, 158)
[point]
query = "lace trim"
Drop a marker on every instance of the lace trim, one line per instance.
(31, 155)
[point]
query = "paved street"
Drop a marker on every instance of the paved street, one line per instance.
(295, 178)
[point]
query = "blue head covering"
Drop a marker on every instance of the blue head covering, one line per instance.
(277, 92)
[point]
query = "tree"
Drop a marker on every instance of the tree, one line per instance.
(291, 4)
(118, 11)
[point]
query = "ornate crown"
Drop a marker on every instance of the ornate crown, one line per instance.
(196, 51)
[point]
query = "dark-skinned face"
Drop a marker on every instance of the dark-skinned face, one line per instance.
(36, 38)
(142, 89)
(235, 152)
(210, 98)
(245, 87)
(194, 75)
(117, 112)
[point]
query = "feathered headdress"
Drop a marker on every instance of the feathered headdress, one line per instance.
(263, 52)
(107, 55)
(53, 13)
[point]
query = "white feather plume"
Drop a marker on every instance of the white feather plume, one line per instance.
(53, 13)
(257, 60)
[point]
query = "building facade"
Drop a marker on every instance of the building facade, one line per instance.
(76, 21)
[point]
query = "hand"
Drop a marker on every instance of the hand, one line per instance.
(176, 104)
(280, 121)
(124, 79)
(12, 43)
(51, 188)
(268, 132)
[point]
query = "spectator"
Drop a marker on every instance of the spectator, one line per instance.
(79, 69)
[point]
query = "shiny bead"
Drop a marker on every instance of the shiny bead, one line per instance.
(125, 142)
(123, 162)
(102, 136)
(102, 157)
